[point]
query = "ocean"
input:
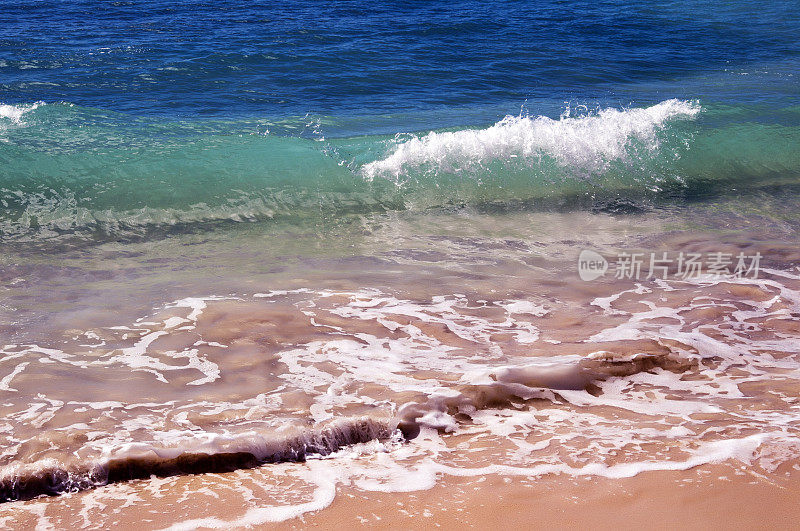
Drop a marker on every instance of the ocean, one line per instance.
(255, 255)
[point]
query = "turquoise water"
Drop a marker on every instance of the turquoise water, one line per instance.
(72, 172)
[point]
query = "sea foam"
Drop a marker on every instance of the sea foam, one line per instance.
(589, 142)
(14, 113)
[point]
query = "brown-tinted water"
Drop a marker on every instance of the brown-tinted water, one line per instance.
(270, 369)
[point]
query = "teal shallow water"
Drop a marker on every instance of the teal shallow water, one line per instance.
(85, 174)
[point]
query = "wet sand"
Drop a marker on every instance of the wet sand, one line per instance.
(703, 498)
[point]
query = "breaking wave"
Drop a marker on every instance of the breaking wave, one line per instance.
(589, 142)
(14, 113)
(212, 453)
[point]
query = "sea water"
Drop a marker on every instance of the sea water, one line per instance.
(274, 249)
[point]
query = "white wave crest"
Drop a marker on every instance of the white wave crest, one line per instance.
(14, 113)
(589, 142)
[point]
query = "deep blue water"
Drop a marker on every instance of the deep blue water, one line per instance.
(165, 113)
(240, 58)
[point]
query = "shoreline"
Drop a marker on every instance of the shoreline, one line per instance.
(699, 498)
